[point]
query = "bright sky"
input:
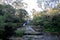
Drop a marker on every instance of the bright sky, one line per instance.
(32, 4)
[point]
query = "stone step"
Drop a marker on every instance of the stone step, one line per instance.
(37, 33)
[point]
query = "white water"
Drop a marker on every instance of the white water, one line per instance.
(29, 29)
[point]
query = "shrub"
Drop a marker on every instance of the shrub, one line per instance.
(20, 33)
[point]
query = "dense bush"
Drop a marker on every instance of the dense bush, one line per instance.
(20, 33)
(8, 19)
(51, 23)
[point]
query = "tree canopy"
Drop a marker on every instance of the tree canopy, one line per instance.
(9, 19)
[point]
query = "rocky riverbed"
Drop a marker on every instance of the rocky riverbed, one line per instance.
(45, 36)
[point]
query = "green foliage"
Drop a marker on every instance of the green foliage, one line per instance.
(8, 9)
(8, 17)
(37, 21)
(51, 23)
(20, 33)
(22, 13)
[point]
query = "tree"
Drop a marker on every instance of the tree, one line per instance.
(49, 22)
(22, 12)
(1, 7)
(19, 4)
(8, 9)
(8, 19)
